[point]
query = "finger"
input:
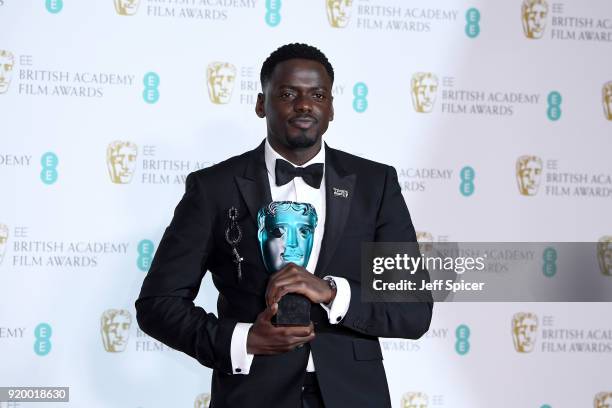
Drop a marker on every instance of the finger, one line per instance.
(299, 331)
(273, 285)
(290, 269)
(299, 288)
(269, 312)
(296, 341)
(274, 289)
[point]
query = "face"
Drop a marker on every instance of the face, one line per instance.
(424, 92)
(221, 78)
(202, 401)
(122, 162)
(534, 19)
(287, 237)
(529, 172)
(415, 400)
(525, 333)
(297, 104)
(126, 7)
(3, 240)
(339, 12)
(604, 255)
(6, 70)
(603, 400)
(116, 331)
(607, 100)
(425, 240)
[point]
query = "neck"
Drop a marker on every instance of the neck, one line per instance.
(297, 156)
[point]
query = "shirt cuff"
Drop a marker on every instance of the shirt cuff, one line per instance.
(241, 360)
(339, 306)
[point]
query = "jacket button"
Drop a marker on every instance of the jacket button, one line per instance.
(238, 370)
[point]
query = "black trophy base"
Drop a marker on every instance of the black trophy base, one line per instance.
(293, 310)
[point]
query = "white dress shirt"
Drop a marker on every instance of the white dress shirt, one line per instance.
(295, 190)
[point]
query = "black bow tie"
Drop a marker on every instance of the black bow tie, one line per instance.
(285, 172)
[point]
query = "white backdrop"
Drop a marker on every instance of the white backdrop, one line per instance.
(499, 81)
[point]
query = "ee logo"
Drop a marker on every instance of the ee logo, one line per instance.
(549, 256)
(54, 6)
(42, 345)
(472, 18)
(462, 345)
(554, 106)
(467, 175)
(151, 83)
(49, 162)
(360, 92)
(145, 254)
(273, 17)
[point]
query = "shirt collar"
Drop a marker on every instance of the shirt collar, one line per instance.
(271, 155)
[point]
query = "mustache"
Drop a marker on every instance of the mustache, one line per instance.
(302, 117)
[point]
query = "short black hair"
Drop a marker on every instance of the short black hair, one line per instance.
(293, 51)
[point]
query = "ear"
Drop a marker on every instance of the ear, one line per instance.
(259, 106)
(331, 113)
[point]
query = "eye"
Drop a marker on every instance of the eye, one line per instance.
(305, 231)
(276, 232)
(319, 96)
(286, 95)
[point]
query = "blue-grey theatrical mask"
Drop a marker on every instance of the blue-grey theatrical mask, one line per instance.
(286, 233)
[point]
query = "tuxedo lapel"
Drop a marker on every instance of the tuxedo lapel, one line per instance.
(254, 185)
(339, 187)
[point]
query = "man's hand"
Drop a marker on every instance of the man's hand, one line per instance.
(295, 279)
(265, 338)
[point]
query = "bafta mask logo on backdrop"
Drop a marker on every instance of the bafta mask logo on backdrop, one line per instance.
(338, 12)
(533, 15)
(603, 400)
(524, 331)
(604, 255)
(7, 61)
(414, 400)
(424, 87)
(126, 7)
(425, 240)
(121, 161)
(202, 401)
(4, 234)
(220, 79)
(607, 99)
(115, 329)
(528, 174)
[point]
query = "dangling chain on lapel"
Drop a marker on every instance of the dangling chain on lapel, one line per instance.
(233, 235)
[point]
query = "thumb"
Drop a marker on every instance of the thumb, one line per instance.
(269, 312)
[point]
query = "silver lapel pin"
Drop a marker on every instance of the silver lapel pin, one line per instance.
(233, 235)
(340, 193)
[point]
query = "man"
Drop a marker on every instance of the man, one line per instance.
(337, 360)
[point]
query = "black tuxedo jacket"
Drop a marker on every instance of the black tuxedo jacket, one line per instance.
(347, 356)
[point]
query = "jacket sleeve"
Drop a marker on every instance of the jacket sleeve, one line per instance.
(408, 320)
(165, 308)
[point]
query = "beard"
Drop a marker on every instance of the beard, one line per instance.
(301, 141)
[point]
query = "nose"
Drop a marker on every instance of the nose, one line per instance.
(302, 104)
(291, 238)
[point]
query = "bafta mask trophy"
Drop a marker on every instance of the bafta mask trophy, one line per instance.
(286, 234)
